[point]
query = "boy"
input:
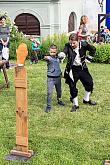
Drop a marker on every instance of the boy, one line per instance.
(35, 50)
(53, 76)
(76, 69)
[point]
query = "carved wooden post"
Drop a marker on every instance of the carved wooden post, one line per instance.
(21, 105)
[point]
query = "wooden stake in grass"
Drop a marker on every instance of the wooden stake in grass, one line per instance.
(21, 104)
(3, 67)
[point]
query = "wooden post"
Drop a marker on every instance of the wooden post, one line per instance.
(21, 106)
(3, 67)
(6, 77)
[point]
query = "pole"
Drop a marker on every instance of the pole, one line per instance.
(21, 105)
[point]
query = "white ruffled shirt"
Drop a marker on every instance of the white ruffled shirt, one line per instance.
(77, 60)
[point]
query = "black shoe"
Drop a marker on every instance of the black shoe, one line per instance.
(47, 109)
(74, 108)
(90, 102)
(60, 103)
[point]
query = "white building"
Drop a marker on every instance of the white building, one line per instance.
(45, 17)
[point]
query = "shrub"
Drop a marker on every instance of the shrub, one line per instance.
(58, 40)
(15, 39)
(102, 53)
(8, 19)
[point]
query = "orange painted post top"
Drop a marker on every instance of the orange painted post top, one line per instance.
(21, 53)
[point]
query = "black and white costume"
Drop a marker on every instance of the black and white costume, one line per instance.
(76, 69)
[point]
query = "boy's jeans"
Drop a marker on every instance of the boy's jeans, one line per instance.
(50, 85)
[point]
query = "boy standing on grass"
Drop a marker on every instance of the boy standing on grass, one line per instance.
(53, 76)
(35, 50)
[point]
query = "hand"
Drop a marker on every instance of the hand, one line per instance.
(87, 61)
(5, 43)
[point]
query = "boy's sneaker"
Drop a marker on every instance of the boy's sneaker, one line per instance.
(47, 109)
(60, 103)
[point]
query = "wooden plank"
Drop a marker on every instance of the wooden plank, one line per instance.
(20, 83)
(20, 153)
(21, 110)
(23, 141)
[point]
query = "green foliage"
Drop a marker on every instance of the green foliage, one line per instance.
(102, 53)
(58, 40)
(15, 39)
(18, 37)
(8, 19)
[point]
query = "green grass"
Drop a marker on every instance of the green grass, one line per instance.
(59, 137)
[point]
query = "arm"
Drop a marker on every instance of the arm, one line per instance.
(46, 58)
(92, 51)
(65, 50)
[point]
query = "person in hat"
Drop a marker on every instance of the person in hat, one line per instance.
(76, 69)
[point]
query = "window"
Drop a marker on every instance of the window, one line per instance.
(28, 24)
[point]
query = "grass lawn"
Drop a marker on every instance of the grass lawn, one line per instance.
(59, 137)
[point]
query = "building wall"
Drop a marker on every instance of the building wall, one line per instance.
(46, 12)
(53, 15)
(92, 9)
(68, 6)
(54, 18)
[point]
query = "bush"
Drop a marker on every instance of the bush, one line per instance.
(15, 39)
(102, 53)
(58, 40)
(8, 19)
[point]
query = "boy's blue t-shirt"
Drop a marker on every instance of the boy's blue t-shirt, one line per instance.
(53, 67)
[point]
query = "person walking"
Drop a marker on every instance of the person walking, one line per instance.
(76, 69)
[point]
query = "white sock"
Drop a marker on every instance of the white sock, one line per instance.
(75, 101)
(87, 96)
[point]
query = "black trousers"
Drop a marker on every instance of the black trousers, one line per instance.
(84, 76)
(34, 57)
